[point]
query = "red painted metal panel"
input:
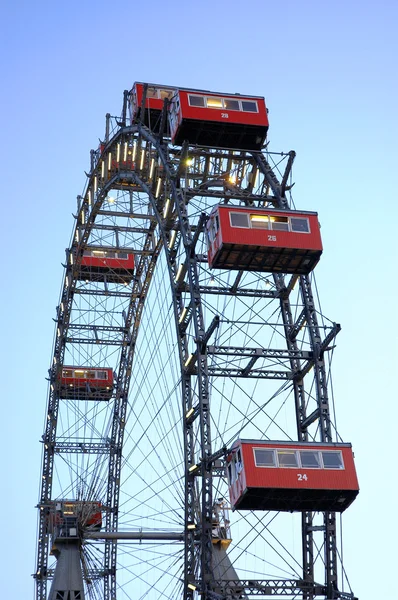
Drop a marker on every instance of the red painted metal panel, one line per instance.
(218, 127)
(197, 113)
(290, 488)
(264, 237)
(82, 382)
(116, 267)
(288, 477)
(106, 262)
(88, 514)
(270, 249)
(155, 105)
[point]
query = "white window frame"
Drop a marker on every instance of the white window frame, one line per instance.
(296, 451)
(249, 111)
(303, 232)
(287, 450)
(313, 452)
(274, 466)
(223, 107)
(342, 468)
(239, 213)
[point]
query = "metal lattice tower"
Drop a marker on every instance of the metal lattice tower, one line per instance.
(200, 358)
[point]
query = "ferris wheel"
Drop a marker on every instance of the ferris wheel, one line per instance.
(190, 447)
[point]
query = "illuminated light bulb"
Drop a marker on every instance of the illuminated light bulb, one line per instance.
(172, 238)
(189, 162)
(111, 200)
(125, 152)
(152, 168)
(158, 187)
(212, 281)
(183, 314)
(180, 273)
(255, 178)
(166, 210)
(190, 361)
(102, 169)
(118, 153)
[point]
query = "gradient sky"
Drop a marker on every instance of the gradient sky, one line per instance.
(328, 72)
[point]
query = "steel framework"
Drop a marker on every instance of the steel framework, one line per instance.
(214, 355)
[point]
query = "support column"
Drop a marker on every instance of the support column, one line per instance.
(68, 577)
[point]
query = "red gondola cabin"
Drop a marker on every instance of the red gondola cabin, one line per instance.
(65, 518)
(115, 267)
(268, 240)
(291, 476)
(88, 513)
(218, 120)
(154, 101)
(86, 383)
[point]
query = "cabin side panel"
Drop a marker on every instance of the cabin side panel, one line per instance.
(223, 115)
(298, 477)
(270, 237)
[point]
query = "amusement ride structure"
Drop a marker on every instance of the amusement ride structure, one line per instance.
(190, 447)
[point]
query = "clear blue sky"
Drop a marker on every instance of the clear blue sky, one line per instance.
(328, 71)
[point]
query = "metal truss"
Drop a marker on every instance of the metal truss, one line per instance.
(200, 358)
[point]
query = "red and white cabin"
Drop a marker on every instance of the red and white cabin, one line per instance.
(87, 513)
(86, 383)
(256, 239)
(115, 267)
(291, 476)
(154, 101)
(218, 120)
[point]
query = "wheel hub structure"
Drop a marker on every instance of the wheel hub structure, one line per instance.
(134, 498)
